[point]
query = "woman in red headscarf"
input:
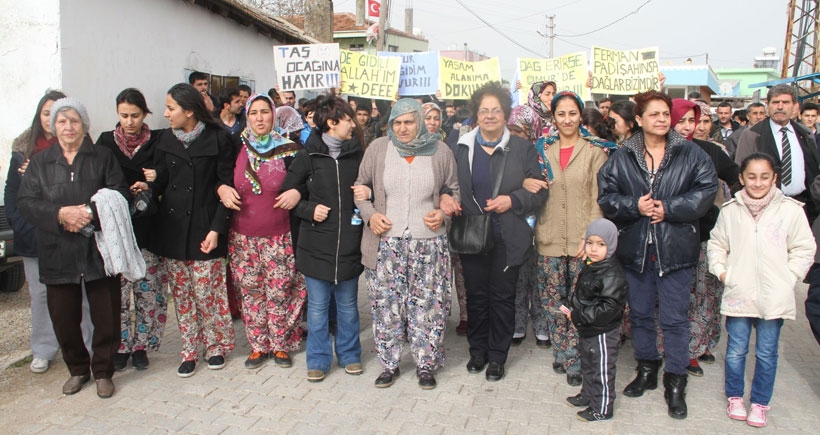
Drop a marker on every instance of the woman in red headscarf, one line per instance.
(704, 300)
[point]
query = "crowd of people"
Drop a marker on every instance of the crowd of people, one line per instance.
(606, 221)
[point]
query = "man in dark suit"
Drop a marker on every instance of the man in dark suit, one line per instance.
(790, 143)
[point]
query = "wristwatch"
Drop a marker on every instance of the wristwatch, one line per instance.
(89, 210)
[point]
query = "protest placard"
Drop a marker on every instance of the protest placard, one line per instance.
(308, 66)
(569, 72)
(369, 76)
(624, 72)
(419, 72)
(459, 79)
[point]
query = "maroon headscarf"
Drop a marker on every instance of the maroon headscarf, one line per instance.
(679, 108)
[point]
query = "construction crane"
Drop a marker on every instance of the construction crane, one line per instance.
(800, 56)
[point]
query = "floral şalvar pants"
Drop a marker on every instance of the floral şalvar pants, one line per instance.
(556, 281)
(410, 299)
(704, 308)
(273, 291)
(528, 301)
(150, 306)
(201, 303)
(461, 289)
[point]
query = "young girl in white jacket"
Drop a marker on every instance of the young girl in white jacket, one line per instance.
(760, 248)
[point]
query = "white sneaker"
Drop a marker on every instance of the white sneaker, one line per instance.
(38, 365)
(736, 409)
(757, 415)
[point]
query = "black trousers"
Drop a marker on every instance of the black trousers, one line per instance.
(65, 308)
(490, 303)
(813, 301)
(599, 354)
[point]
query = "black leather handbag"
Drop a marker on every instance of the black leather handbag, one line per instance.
(473, 234)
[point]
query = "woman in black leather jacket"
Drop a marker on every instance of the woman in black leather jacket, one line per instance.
(655, 189)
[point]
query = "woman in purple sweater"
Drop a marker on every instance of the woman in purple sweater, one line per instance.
(260, 247)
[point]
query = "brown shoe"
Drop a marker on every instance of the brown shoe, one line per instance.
(105, 388)
(74, 384)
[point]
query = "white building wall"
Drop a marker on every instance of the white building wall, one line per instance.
(29, 64)
(110, 45)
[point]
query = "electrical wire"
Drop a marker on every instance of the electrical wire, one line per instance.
(496, 30)
(610, 24)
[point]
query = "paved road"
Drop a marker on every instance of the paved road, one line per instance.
(530, 399)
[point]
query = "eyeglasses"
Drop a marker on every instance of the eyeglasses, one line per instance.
(495, 111)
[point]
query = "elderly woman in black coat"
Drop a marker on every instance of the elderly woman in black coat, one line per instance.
(55, 197)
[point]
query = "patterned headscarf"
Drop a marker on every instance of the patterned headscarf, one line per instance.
(425, 143)
(522, 116)
(263, 148)
(289, 119)
(544, 116)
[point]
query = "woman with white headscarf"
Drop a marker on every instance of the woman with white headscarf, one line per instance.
(406, 252)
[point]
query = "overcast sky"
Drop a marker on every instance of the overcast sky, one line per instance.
(732, 32)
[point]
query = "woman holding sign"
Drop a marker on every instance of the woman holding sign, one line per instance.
(406, 252)
(655, 188)
(488, 157)
(538, 111)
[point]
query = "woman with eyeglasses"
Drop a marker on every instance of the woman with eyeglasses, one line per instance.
(491, 278)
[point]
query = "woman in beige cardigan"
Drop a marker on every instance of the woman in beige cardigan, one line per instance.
(572, 160)
(406, 253)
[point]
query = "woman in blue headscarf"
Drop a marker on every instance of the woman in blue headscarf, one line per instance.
(406, 253)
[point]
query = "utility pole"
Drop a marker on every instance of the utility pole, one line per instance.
(384, 9)
(550, 35)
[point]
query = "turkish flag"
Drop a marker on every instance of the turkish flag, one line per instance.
(373, 8)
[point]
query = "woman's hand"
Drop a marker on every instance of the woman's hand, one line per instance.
(500, 204)
(74, 217)
(645, 205)
(138, 187)
(657, 212)
(434, 219)
(361, 192)
(150, 174)
(320, 213)
(288, 199)
(533, 185)
(449, 205)
(380, 224)
(23, 167)
(723, 277)
(580, 253)
(210, 243)
(229, 197)
(517, 85)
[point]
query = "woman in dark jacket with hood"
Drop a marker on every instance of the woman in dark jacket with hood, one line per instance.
(133, 144)
(655, 188)
(328, 248)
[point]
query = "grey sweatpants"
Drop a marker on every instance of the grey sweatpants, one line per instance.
(599, 354)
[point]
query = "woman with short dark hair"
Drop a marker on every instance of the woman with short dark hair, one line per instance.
(133, 144)
(655, 188)
(328, 249)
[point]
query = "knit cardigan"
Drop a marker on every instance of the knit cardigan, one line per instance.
(371, 174)
(573, 200)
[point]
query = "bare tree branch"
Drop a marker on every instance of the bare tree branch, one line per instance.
(283, 8)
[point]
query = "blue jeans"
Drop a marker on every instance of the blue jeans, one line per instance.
(671, 291)
(319, 346)
(738, 330)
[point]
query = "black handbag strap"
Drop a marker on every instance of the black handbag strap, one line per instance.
(497, 185)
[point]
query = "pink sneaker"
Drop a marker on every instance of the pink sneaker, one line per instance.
(736, 409)
(757, 415)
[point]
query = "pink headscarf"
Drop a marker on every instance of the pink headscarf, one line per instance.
(680, 107)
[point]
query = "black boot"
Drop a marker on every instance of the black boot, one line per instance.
(647, 378)
(675, 394)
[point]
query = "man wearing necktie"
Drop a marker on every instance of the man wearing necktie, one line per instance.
(790, 143)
